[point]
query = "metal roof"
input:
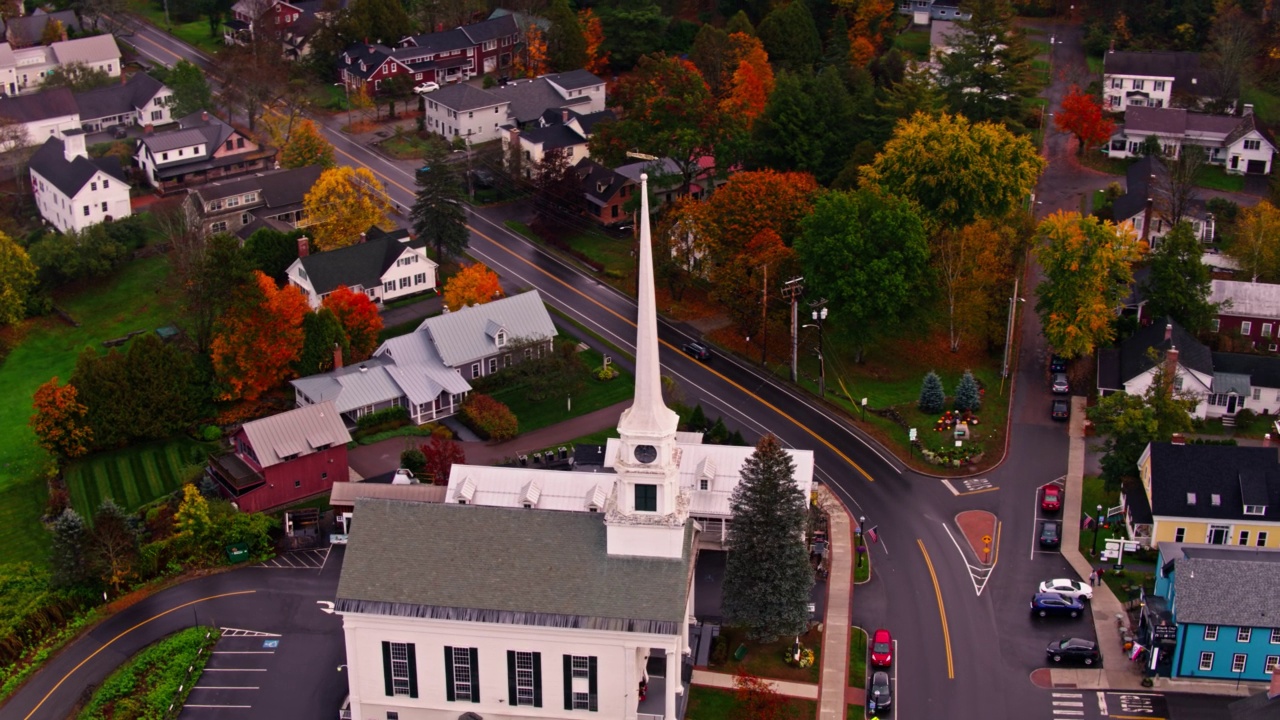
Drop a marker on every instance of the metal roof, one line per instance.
(87, 50)
(346, 493)
(507, 487)
(301, 431)
(460, 336)
(1247, 299)
(347, 395)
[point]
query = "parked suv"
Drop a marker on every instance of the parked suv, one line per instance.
(698, 350)
(1046, 604)
(1073, 649)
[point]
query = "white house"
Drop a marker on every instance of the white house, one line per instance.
(140, 100)
(519, 611)
(1147, 207)
(1153, 79)
(36, 118)
(465, 111)
(427, 371)
(200, 149)
(1240, 144)
(72, 191)
(566, 130)
(23, 69)
(384, 266)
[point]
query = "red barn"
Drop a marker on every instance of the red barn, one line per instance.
(284, 458)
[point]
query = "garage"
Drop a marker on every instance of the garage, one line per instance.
(1256, 167)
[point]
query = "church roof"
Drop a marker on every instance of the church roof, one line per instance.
(507, 566)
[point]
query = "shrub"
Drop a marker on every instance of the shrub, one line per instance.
(606, 372)
(209, 433)
(1246, 417)
(148, 685)
(719, 651)
(489, 418)
(393, 417)
(414, 461)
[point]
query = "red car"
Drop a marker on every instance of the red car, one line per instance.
(1052, 500)
(882, 648)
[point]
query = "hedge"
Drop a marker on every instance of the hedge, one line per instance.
(146, 686)
(489, 418)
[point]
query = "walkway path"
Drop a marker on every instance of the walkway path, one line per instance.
(835, 635)
(808, 691)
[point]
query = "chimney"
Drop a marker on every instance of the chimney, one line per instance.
(564, 115)
(204, 116)
(363, 237)
(1146, 220)
(148, 129)
(1168, 331)
(1112, 47)
(73, 145)
(1178, 439)
(1248, 109)
(1171, 366)
(337, 356)
(304, 246)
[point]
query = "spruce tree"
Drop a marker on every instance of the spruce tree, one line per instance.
(740, 23)
(719, 433)
(697, 419)
(967, 396)
(437, 215)
(566, 46)
(932, 396)
(67, 550)
(988, 74)
(767, 577)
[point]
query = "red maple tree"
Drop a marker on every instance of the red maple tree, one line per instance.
(59, 420)
(360, 320)
(1081, 115)
(758, 699)
(441, 454)
(258, 338)
(593, 33)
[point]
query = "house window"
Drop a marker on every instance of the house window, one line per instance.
(93, 186)
(1137, 84)
(1157, 85)
(104, 207)
(297, 483)
(1210, 633)
(1246, 327)
(389, 286)
(1262, 539)
(419, 279)
(157, 114)
(218, 227)
(230, 145)
(1257, 395)
(1243, 634)
(393, 715)
(1275, 636)
(1238, 661)
(501, 338)
(1244, 537)
(1213, 325)
(86, 210)
(233, 201)
(523, 671)
(475, 370)
(1273, 662)
(493, 365)
(646, 498)
(1206, 661)
(461, 674)
(506, 360)
(1255, 509)
(244, 218)
(240, 143)
(404, 283)
(704, 484)
(399, 669)
(1266, 329)
(1252, 144)
(1117, 83)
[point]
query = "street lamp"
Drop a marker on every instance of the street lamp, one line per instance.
(1008, 334)
(860, 549)
(820, 314)
(1097, 527)
(346, 88)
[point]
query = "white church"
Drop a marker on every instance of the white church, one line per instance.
(544, 594)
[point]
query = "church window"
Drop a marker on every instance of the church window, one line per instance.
(647, 498)
(399, 669)
(524, 678)
(461, 674)
(580, 685)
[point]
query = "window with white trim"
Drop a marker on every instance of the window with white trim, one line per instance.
(493, 365)
(1262, 539)
(462, 680)
(218, 227)
(1252, 144)
(1266, 329)
(524, 678)
(1273, 662)
(475, 370)
(1238, 662)
(1210, 633)
(1255, 509)
(1213, 325)
(1243, 634)
(1275, 636)
(1206, 661)
(1246, 327)
(1179, 534)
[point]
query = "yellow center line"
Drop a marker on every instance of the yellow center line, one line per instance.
(996, 559)
(942, 612)
(108, 643)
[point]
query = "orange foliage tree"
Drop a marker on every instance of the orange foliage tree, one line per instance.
(474, 284)
(59, 420)
(593, 33)
(258, 338)
(532, 61)
(868, 21)
(752, 82)
(1081, 115)
(359, 318)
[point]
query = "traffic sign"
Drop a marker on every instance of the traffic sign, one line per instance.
(986, 539)
(911, 434)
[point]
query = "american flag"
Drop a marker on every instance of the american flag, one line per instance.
(872, 535)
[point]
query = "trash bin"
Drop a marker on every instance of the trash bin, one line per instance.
(238, 552)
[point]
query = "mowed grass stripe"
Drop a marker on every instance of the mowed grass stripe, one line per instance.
(137, 480)
(168, 459)
(152, 460)
(101, 483)
(115, 484)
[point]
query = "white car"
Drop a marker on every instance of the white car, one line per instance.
(1068, 588)
(426, 87)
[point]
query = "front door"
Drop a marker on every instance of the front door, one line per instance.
(1232, 400)
(1219, 535)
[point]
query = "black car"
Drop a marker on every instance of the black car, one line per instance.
(1050, 534)
(698, 350)
(1057, 364)
(1074, 649)
(881, 692)
(1061, 410)
(1046, 604)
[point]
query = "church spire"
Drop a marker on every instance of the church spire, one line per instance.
(648, 415)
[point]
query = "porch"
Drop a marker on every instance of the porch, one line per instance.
(234, 476)
(653, 706)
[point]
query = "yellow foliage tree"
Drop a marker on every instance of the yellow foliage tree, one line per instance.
(343, 203)
(472, 285)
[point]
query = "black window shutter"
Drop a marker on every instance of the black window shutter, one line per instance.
(568, 682)
(513, 698)
(591, 684)
(537, 679)
(448, 674)
(387, 684)
(475, 675)
(413, 671)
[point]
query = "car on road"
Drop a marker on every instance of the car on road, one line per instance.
(1067, 588)
(1061, 410)
(882, 648)
(881, 691)
(426, 87)
(1057, 364)
(1060, 386)
(1051, 498)
(481, 178)
(1050, 533)
(1075, 650)
(1046, 604)
(698, 350)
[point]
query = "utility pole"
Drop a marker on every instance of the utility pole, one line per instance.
(764, 317)
(1008, 334)
(792, 290)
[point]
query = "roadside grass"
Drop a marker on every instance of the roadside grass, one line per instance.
(1041, 47)
(194, 33)
(1102, 163)
(1040, 68)
(154, 680)
(861, 560)
(708, 703)
(1095, 64)
(520, 228)
(594, 395)
(914, 42)
(857, 657)
(134, 476)
(1093, 492)
(1215, 177)
(406, 145)
(856, 712)
(1266, 104)
(613, 253)
(768, 660)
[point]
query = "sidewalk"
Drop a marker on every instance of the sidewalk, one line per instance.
(835, 636)
(784, 687)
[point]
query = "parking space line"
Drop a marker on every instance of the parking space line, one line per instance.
(243, 652)
(225, 687)
(209, 669)
(228, 707)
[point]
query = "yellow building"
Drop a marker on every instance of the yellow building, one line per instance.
(1216, 494)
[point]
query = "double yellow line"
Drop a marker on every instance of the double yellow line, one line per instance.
(942, 611)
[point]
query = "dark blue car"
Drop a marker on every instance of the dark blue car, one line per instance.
(1046, 604)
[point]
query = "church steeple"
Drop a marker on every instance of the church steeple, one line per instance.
(647, 511)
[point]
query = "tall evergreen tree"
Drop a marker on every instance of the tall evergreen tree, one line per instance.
(967, 396)
(558, 197)
(163, 381)
(437, 215)
(932, 396)
(791, 37)
(113, 548)
(767, 576)
(709, 54)
(322, 331)
(1179, 283)
(566, 45)
(988, 74)
(68, 546)
(740, 23)
(806, 125)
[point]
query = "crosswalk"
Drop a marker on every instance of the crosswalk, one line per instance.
(1068, 705)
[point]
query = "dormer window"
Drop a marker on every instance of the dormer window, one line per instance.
(1255, 509)
(1215, 499)
(1191, 498)
(501, 339)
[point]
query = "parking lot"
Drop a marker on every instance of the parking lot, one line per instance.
(1042, 516)
(234, 677)
(299, 560)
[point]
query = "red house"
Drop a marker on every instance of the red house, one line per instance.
(284, 458)
(444, 57)
(1249, 310)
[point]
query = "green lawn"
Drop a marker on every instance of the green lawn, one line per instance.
(1214, 177)
(1095, 64)
(193, 33)
(708, 703)
(856, 712)
(140, 297)
(857, 657)
(768, 660)
(913, 42)
(406, 145)
(134, 476)
(611, 252)
(1266, 105)
(595, 394)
